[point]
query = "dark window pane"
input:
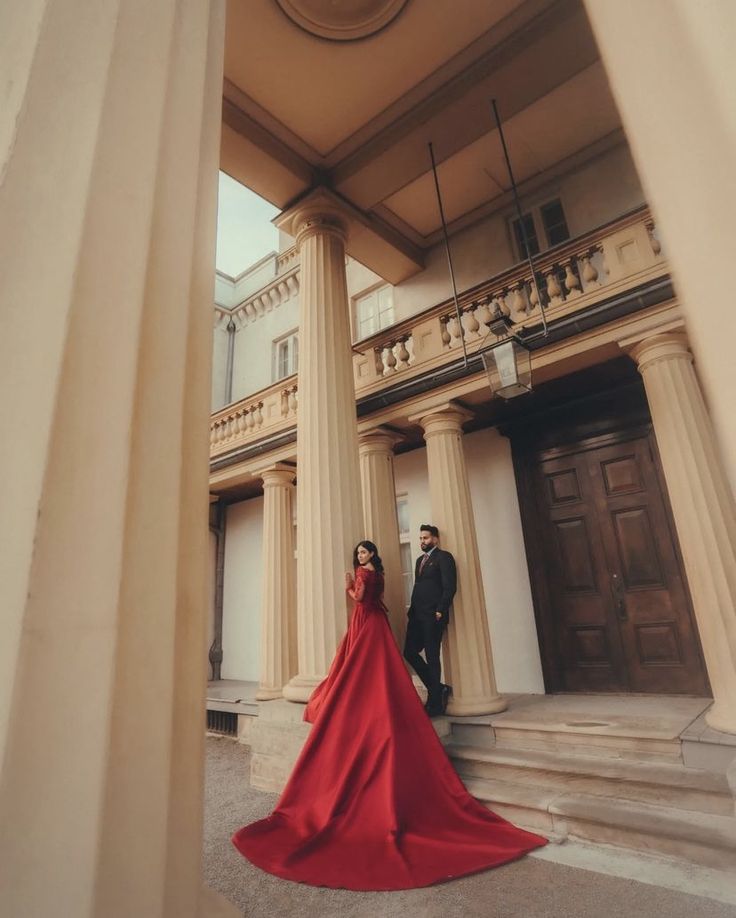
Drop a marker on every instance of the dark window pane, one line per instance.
(531, 236)
(555, 225)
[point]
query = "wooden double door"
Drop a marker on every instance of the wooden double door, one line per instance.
(612, 605)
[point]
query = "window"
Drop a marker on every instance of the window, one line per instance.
(285, 356)
(373, 311)
(530, 233)
(545, 226)
(407, 566)
(555, 225)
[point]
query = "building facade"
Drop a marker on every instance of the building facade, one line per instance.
(116, 119)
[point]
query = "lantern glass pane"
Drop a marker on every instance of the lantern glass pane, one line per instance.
(509, 369)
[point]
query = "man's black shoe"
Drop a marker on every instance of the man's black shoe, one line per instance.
(446, 693)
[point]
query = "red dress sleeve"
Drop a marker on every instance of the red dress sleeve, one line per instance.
(358, 590)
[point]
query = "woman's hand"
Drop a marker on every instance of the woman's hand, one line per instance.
(348, 579)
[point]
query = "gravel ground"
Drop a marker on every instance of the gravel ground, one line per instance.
(528, 888)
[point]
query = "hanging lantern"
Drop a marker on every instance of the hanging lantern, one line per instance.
(508, 363)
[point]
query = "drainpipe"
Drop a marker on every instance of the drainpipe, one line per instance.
(217, 526)
(230, 360)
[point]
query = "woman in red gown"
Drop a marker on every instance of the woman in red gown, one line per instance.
(373, 802)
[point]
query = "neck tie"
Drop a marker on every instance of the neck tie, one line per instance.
(422, 563)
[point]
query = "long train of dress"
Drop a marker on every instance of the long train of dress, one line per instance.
(373, 802)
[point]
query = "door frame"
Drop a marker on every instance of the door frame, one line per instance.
(601, 419)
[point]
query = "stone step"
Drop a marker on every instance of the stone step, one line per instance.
(590, 742)
(659, 783)
(701, 838)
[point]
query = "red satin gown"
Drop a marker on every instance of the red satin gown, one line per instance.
(373, 802)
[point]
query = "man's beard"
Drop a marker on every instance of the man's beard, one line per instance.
(426, 547)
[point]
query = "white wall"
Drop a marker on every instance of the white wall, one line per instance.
(253, 355)
(220, 338)
(500, 548)
(241, 612)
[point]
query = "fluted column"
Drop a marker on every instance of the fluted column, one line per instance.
(702, 505)
(467, 658)
(109, 181)
(681, 121)
(329, 513)
(381, 518)
(278, 603)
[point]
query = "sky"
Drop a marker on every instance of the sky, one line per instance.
(244, 230)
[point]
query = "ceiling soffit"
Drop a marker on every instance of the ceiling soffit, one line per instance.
(342, 21)
(538, 59)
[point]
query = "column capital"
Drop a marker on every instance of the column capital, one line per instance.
(275, 474)
(378, 440)
(320, 212)
(668, 346)
(448, 417)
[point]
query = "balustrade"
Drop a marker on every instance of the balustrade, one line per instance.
(569, 278)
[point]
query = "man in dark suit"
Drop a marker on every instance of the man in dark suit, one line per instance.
(435, 582)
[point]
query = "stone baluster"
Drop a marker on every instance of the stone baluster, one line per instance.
(403, 353)
(390, 358)
(445, 336)
(517, 306)
(455, 329)
(589, 272)
(572, 282)
(470, 324)
(378, 356)
(653, 238)
(484, 314)
(554, 290)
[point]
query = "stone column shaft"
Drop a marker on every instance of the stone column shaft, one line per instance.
(329, 515)
(467, 657)
(381, 518)
(109, 181)
(681, 121)
(702, 505)
(278, 603)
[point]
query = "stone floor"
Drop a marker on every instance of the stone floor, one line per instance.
(546, 886)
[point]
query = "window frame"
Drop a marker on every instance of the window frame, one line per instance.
(360, 298)
(540, 228)
(291, 340)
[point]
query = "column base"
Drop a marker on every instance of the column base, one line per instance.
(464, 707)
(721, 719)
(275, 743)
(300, 688)
(214, 905)
(269, 694)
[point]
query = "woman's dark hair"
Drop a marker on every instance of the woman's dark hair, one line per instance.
(375, 560)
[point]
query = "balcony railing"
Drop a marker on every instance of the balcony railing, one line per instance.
(572, 277)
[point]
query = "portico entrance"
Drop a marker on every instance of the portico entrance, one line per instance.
(611, 600)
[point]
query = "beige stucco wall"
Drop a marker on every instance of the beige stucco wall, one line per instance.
(501, 553)
(241, 608)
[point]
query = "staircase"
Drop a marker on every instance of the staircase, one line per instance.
(616, 779)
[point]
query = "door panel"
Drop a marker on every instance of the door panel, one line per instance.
(651, 601)
(586, 629)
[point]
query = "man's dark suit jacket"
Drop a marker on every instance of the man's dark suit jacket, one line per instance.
(435, 587)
